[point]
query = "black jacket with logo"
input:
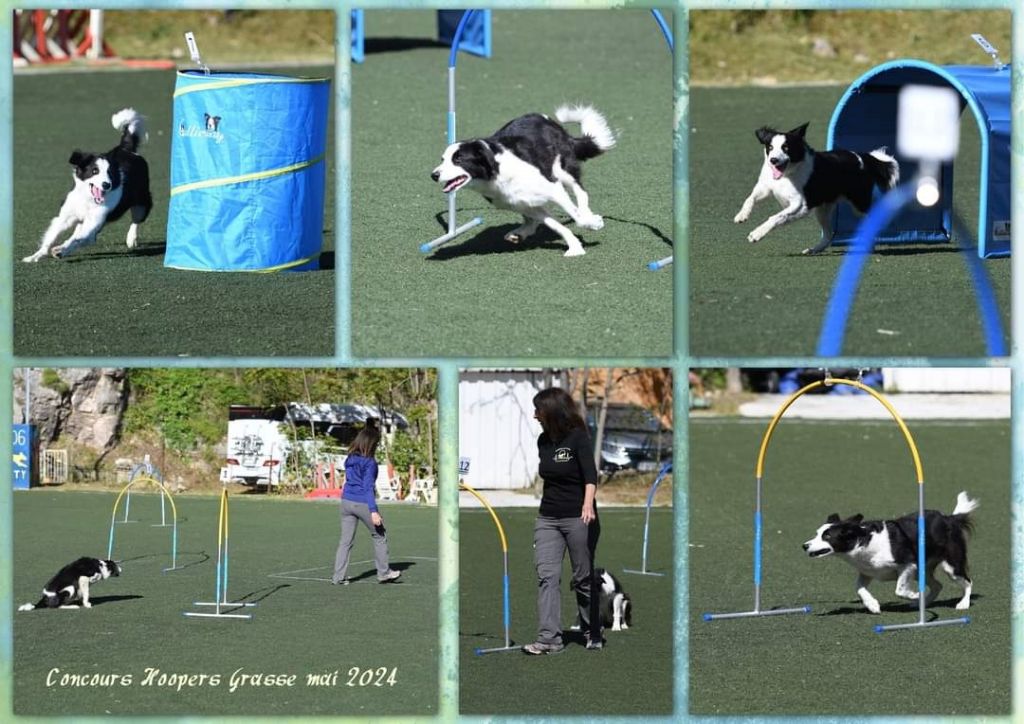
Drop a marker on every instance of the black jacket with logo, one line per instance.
(566, 467)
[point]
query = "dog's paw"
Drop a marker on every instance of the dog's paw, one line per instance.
(513, 237)
(86, 605)
(872, 606)
(592, 222)
(26, 607)
(31, 259)
(57, 252)
(755, 236)
(964, 604)
(575, 251)
(811, 251)
(741, 217)
(617, 627)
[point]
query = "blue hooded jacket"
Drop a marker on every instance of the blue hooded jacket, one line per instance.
(361, 480)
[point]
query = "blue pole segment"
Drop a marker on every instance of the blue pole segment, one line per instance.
(451, 127)
(988, 310)
(457, 38)
(665, 30)
(757, 548)
(920, 556)
(508, 607)
(830, 341)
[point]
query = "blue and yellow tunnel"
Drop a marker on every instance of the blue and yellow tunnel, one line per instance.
(248, 171)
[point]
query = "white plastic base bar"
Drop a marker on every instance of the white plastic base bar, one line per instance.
(642, 573)
(196, 614)
(927, 624)
(661, 263)
(751, 614)
(499, 650)
(431, 245)
(225, 604)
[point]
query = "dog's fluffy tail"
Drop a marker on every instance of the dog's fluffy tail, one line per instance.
(965, 505)
(133, 130)
(884, 169)
(597, 135)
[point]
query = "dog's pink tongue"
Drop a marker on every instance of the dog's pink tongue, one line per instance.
(776, 173)
(97, 194)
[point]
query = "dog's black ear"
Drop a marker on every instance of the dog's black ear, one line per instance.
(800, 131)
(487, 159)
(855, 518)
(834, 518)
(765, 134)
(77, 158)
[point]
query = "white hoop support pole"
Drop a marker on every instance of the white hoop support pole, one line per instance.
(665, 470)
(220, 596)
(759, 476)
(95, 51)
(126, 493)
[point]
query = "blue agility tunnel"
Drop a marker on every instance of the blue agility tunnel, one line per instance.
(248, 170)
(865, 118)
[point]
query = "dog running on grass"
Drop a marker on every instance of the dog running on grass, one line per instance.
(529, 166)
(107, 186)
(887, 550)
(804, 180)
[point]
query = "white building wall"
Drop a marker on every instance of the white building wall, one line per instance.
(946, 379)
(497, 431)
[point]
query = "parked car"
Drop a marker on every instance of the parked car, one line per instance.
(634, 438)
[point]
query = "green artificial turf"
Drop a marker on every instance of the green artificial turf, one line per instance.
(631, 675)
(299, 627)
(766, 298)
(480, 295)
(831, 662)
(109, 300)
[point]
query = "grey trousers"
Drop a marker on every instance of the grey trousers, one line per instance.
(551, 538)
(351, 515)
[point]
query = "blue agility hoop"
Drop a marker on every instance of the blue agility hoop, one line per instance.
(840, 303)
(666, 470)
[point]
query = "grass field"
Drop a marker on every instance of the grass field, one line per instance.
(830, 662)
(632, 675)
(766, 298)
(480, 295)
(299, 627)
(107, 300)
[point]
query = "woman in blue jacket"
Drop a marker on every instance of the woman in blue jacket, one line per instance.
(359, 504)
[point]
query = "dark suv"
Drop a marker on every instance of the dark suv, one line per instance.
(634, 438)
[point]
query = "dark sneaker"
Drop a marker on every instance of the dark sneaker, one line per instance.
(539, 648)
(342, 582)
(391, 575)
(593, 645)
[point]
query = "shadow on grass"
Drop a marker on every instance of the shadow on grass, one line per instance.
(398, 45)
(491, 240)
(201, 557)
(260, 594)
(903, 607)
(101, 600)
(120, 252)
(372, 573)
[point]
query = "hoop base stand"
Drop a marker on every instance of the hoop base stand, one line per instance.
(497, 650)
(641, 573)
(221, 590)
(431, 245)
(963, 621)
(752, 614)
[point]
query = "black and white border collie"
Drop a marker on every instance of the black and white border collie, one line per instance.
(887, 550)
(71, 584)
(802, 179)
(107, 185)
(614, 603)
(529, 166)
